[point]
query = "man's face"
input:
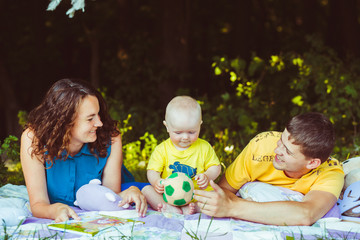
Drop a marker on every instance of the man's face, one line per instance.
(289, 157)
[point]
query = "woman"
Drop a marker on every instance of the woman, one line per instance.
(70, 139)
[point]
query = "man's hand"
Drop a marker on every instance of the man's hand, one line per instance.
(202, 180)
(216, 203)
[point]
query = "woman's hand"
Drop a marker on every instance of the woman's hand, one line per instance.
(64, 212)
(134, 195)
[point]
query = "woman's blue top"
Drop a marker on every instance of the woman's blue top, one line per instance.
(64, 178)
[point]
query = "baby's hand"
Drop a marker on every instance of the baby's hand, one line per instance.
(202, 180)
(159, 186)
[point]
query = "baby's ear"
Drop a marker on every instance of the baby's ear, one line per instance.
(164, 122)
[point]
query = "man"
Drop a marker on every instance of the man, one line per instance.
(297, 159)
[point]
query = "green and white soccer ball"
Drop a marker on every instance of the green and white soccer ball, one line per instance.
(178, 189)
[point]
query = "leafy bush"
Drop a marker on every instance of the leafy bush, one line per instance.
(268, 93)
(136, 155)
(10, 167)
(263, 93)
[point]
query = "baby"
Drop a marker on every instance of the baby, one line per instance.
(184, 152)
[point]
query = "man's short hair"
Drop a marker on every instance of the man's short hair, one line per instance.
(314, 133)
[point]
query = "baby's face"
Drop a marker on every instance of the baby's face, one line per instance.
(183, 129)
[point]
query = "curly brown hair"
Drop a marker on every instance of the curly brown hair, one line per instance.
(53, 119)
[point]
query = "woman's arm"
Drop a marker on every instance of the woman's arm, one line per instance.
(112, 172)
(34, 173)
(112, 178)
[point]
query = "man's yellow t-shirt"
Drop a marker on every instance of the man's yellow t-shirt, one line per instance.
(255, 164)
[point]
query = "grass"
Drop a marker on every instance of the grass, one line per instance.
(194, 235)
(123, 236)
(15, 234)
(325, 236)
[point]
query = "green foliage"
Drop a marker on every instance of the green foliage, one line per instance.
(264, 93)
(10, 148)
(136, 150)
(10, 167)
(268, 93)
(22, 116)
(136, 155)
(137, 91)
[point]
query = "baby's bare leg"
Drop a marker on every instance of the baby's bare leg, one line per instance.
(156, 201)
(191, 208)
(152, 197)
(164, 207)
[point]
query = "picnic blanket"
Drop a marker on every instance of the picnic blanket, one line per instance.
(175, 226)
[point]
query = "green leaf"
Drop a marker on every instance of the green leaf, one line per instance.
(217, 71)
(225, 96)
(350, 91)
(233, 76)
(298, 62)
(238, 65)
(255, 65)
(298, 100)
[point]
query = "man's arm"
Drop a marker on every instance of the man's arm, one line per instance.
(223, 183)
(224, 203)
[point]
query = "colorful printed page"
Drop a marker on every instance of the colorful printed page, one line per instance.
(92, 226)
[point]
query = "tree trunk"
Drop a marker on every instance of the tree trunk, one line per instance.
(244, 29)
(310, 16)
(175, 35)
(125, 18)
(9, 103)
(175, 48)
(343, 28)
(92, 36)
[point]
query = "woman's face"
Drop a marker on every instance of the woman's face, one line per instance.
(87, 121)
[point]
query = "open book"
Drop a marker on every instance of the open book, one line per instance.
(90, 226)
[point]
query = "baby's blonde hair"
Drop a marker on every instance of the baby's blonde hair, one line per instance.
(182, 103)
